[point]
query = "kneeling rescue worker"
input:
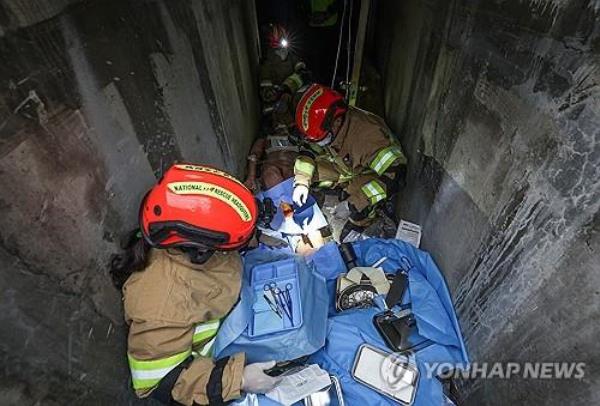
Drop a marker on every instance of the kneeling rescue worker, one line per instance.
(350, 149)
(183, 276)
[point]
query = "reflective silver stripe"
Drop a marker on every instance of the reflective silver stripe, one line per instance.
(325, 183)
(148, 373)
(138, 374)
(385, 158)
(205, 331)
(209, 325)
(280, 143)
(371, 189)
(207, 349)
(374, 191)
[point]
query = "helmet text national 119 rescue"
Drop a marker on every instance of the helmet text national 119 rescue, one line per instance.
(198, 206)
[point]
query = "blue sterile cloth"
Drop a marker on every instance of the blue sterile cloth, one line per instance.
(233, 334)
(427, 292)
(431, 305)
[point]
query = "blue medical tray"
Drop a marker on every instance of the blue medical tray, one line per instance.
(264, 278)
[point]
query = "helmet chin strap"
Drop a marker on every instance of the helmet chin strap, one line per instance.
(198, 256)
(326, 141)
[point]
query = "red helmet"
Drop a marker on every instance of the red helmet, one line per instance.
(277, 36)
(198, 206)
(316, 111)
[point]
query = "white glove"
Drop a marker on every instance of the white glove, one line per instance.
(300, 194)
(254, 379)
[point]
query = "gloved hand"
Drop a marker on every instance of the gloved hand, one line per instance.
(300, 194)
(254, 379)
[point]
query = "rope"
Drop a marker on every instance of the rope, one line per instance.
(339, 47)
(349, 43)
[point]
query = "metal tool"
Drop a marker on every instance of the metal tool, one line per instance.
(280, 302)
(288, 289)
(380, 261)
(273, 307)
(267, 289)
(288, 299)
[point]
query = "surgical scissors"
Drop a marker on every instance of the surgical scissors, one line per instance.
(281, 299)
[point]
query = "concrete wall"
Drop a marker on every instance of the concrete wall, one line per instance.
(96, 99)
(498, 106)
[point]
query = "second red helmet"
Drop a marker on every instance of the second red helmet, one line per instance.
(316, 111)
(277, 36)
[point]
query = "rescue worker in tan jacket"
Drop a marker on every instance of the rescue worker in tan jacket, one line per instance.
(349, 149)
(282, 75)
(181, 277)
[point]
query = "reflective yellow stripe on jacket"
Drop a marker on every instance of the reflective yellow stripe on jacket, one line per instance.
(304, 166)
(385, 158)
(374, 191)
(293, 82)
(325, 184)
(146, 374)
(204, 332)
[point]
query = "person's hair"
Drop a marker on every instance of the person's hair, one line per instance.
(134, 258)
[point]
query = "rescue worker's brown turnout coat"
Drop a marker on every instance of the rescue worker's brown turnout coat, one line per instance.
(279, 165)
(349, 160)
(276, 70)
(164, 303)
(361, 136)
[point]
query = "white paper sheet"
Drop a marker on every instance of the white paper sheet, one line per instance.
(299, 385)
(409, 232)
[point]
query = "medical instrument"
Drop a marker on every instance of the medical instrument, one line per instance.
(278, 282)
(397, 378)
(281, 302)
(272, 306)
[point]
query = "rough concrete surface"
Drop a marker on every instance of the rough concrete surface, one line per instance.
(496, 103)
(498, 107)
(97, 98)
(15, 14)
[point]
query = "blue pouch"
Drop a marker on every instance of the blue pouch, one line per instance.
(235, 334)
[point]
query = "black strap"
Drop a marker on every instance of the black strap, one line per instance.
(163, 392)
(397, 289)
(214, 387)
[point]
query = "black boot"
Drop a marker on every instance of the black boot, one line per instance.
(349, 227)
(358, 221)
